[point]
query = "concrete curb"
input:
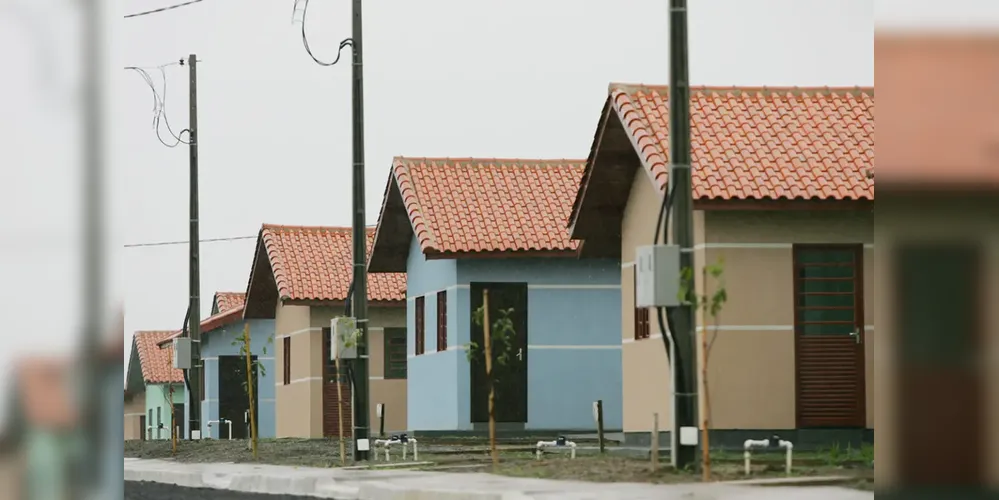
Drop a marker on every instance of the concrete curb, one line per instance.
(795, 481)
(412, 485)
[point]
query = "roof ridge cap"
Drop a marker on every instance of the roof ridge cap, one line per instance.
(399, 163)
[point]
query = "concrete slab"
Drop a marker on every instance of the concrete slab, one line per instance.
(419, 485)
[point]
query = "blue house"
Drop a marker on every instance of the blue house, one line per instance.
(224, 385)
(460, 227)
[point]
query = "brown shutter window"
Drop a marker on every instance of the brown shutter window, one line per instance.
(420, 325)
(642, 323)
(286, 359)
(441, 321)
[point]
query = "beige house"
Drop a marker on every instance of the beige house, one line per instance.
(783, 196)
(938, 242)
(301, 278)
(134, 415)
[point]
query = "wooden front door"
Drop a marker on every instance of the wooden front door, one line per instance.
(336, 402)
(829, 336)
(510, 374)
(234, 402)
(941, 387)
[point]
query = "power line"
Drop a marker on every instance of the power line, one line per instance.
(159, 103)
(347, 42)
(185, 242)
(161, 9)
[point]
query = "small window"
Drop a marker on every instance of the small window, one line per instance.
(159, 416)
(441, 321)
(286, 359)
(642, 323)
(420, 325)
(395, 353)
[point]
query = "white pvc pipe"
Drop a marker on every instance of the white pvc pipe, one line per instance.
(210, 422)
(387, 443)
(539, 449)
(765, 443)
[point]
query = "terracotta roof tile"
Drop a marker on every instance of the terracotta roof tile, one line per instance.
(315, 263)
(210, 323)
(157, 366)
(760, 143)
(44, 390)
(489, 205)
(229, 300)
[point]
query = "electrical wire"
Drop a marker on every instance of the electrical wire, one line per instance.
(161, 9)
(185, 242)
(159, 105)
(305, 41)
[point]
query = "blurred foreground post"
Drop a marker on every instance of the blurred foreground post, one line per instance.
(87, 481)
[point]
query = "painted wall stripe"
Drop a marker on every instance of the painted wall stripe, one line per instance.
(297, 332)
(573, 287)
(741, 246)
(573, 347)
(742, 328)
(299, 380)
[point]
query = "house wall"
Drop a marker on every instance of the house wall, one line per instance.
(390, 392)
(158, 396)
(574, 355)
(756, 250)
(132, 411)
(299, 404)
(944, 220)
(219, 342)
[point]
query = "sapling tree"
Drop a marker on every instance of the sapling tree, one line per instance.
(351, 340)
(498, 337)
(253, 367)
(710, 303)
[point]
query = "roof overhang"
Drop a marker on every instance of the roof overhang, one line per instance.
(394, 233)
(261, 290)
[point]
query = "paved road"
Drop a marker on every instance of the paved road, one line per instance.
(161, 491)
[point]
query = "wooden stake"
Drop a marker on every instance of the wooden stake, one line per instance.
(249, 389)
(339, 402)
(706, 420)
(487, 340)
(655, 442)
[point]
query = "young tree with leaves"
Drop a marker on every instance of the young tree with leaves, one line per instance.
(253, 367)
(497, 340)
(711, 304)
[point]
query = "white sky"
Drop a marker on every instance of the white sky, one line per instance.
(488, 78)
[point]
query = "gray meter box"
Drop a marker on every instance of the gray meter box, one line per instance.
(657, 276)
(182, 353)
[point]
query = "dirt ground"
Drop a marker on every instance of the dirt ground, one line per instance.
(515, 460)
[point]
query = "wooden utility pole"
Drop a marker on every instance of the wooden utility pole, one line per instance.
(685, 399)
(194, 326)
(360, 237)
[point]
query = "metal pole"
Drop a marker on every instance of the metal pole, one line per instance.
(360, 246)
(194, 325)
(88, 480)
(683, 228)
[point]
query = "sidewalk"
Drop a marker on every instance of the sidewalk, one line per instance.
(418, 485)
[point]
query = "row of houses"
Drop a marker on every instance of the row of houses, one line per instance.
(783, 194)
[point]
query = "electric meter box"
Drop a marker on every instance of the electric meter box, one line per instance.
(182, 353)
(657, 276)
(344, 338)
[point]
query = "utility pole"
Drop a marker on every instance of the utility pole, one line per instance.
(685, 398)
(194, 326)
(360, 246)
(89, 476)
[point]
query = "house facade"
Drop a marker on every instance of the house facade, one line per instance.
(301, 280)
(151, 373)
(460, 227)
(224, 394)
(938, 246)
(783, 201)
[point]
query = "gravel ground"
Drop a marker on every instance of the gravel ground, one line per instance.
(160, 491)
